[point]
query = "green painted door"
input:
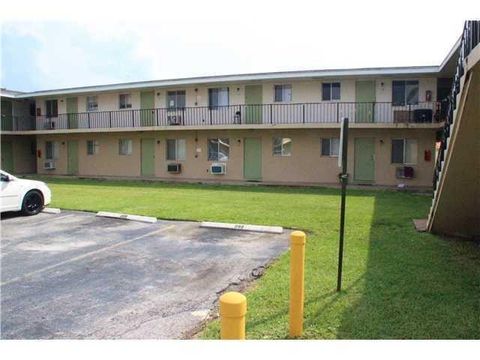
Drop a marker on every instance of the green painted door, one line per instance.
(253, 101)
(7, 115)
(364, 170)
(252, 159)
(365, 97)
(146, 108)
(7, 156)
(72, 113)
(72, 157)
(148, 157)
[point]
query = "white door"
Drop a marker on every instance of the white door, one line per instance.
(9, 195)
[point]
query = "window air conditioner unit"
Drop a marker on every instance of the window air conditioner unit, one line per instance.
(174, 168)
(218, 169)
(49, 165)
(405, 172)
(49, 125)
(174, 119)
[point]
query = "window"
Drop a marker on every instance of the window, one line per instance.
(51, 150)
(404, 151)
(282, 146)
(218, 149)
(176, 99)
(125, 147)
(217, 97)
(405, 92)
(331, 91)
(51, 108)
(330, 147)
(283, 93)
(92, 147)
(125, 101)
(92, 104)
(176, 149)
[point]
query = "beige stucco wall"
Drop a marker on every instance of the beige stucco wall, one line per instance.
(303, 91)
(305, 165)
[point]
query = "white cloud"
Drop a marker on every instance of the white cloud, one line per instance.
(191, 38)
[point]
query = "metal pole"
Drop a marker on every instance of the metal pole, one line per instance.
(343, 181)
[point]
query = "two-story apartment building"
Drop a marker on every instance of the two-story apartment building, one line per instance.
(270, 127)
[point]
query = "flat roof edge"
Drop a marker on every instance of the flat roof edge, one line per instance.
(414, 70)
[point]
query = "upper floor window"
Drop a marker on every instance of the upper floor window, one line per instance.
(51, 150)
(125, 147)
(404, 151)
(125, 101)
(283, 93)
(176, 149)
(404, 92)
(217, 97)
(51, 108)
(330, 146)
(92, 104)
(176, 99)
(218, 149)
(331, 91)
(282, 146)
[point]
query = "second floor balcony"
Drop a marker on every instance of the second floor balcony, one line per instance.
(303, 114)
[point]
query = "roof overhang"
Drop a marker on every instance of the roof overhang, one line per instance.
(223, 79)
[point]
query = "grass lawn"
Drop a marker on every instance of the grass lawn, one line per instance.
(397, 283)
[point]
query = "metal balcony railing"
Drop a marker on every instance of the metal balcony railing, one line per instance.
(470, 39)
(273, 114)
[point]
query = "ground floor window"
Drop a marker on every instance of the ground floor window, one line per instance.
(51, 150)
(282, 146)
(125, 147)
(176, 149)
(92, 147)
(330, 146)
(218, 149)
(404, 151)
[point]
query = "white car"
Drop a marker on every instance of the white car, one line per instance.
(28, 196)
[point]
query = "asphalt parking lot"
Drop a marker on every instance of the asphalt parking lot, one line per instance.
(73, 275)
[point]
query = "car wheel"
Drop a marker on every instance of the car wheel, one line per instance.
(32, 203)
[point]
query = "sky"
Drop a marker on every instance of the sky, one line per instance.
(50, 45)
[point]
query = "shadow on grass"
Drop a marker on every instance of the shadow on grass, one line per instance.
(416, 285)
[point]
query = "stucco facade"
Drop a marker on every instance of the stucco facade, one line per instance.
(305, 164)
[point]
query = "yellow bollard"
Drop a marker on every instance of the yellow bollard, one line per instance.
(297, 271)
(233, 307)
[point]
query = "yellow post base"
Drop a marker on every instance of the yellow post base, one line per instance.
(233, 307)
(297, 271)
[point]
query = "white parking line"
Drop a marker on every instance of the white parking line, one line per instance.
(80, 257)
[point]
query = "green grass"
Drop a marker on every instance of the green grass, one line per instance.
(397, 283)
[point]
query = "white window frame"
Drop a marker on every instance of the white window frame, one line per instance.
(176, 94)
(287, 97)
(91, 100)
(55, 150)
(407, 141)
(95, 146)
(125, 150)
(330, 90)
(126, 103)
(283, 149)
(218, 90)
(330, 147)
(180, 154)
(220, 141)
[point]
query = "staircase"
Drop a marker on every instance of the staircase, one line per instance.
(456, 201)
